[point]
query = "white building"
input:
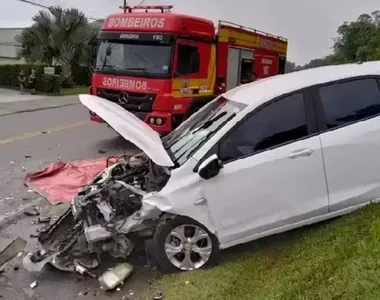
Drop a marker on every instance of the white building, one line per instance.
(8, 46)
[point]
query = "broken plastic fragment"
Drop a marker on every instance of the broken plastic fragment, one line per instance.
(112, 278)
(11, 250)
(31, 213)
(44, 219)
(32, 265)
(79, 268)
(158, 295)
(82, 269)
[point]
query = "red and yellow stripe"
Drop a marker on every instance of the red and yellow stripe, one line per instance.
(249, 39)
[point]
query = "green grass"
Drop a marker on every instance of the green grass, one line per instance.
(74, 90)
(339, 259)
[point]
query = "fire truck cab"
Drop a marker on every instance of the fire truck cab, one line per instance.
(163, 66)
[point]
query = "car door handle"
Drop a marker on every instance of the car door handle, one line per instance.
(300, 153)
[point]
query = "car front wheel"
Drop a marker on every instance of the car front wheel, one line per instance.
(182, 244)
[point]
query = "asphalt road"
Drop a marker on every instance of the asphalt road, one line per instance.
(28, 142)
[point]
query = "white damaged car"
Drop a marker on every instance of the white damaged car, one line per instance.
(261, 159)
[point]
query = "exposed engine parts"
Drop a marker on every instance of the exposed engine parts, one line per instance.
(102, 215)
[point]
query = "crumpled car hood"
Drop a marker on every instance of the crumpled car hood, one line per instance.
(130, 127)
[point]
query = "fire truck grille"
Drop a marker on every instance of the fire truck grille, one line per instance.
(133, 102)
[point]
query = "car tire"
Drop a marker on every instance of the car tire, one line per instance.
(208, 246)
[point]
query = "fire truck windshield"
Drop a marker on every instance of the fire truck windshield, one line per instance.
(119, 57)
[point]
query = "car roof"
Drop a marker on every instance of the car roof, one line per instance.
(263, 90)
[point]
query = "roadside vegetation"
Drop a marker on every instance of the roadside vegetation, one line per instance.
(63, 39)
(74, 90)
(357, 40)
(339, 259)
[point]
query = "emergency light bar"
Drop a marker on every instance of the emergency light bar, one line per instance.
(130, 9)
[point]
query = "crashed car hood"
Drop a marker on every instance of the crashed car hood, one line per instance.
(130, 127)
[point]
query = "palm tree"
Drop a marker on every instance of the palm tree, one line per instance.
(58, 36)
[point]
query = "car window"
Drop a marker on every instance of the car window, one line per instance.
(280, 122)
(351, 101)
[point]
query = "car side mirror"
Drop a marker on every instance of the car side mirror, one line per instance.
(210, 167)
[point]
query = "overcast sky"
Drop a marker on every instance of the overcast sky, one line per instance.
(309, 25)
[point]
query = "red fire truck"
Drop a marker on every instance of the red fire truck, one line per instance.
(163, 66)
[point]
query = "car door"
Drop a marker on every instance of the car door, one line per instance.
(350, 136)
(272, 175)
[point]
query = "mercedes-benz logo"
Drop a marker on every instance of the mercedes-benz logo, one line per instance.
(123, 98)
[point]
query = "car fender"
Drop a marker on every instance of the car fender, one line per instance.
(186, 201)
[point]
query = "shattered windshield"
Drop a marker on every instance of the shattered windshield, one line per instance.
(192, 134)
(148, 59)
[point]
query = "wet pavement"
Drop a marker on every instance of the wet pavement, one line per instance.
(12, 102)
(28, 142)
(8, 95)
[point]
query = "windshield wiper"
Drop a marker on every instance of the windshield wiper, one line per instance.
(207, 136)
(101, 67)
(208, 123)
(204, 125)
(144, 70)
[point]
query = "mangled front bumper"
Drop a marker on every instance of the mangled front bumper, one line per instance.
(69, 241)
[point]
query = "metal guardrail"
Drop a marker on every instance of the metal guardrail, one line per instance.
(228, 23)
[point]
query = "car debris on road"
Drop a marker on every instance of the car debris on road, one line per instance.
(97, 220)
(115, 277)
(33, 212)
(158, 295)
(13, 249)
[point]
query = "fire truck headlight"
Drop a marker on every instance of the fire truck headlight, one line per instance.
(159, 121)
(152, 120)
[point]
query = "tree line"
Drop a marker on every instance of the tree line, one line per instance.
(356, 41)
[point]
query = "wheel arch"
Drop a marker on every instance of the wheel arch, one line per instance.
(165, 217)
